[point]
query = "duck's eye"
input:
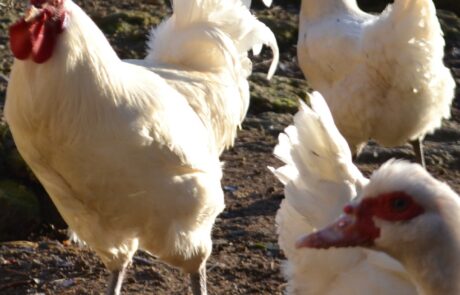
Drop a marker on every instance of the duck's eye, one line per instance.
(399, 204)
(394, 206)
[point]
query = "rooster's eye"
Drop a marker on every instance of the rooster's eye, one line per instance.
(399, 204)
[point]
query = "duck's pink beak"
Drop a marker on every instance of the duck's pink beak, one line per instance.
(347, 231)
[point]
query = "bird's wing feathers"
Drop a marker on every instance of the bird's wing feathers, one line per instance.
(314, 141)
(320, 179)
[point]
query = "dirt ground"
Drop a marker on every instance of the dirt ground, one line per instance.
(245, 258)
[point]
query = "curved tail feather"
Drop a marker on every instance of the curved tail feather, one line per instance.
(207, 35)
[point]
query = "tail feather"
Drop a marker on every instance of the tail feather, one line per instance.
(207, 35)
(319, 175)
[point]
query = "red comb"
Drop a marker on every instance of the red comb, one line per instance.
(37, 3)
(54, 3)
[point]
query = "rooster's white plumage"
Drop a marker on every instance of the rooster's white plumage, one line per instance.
(383, 75)
(130, 157)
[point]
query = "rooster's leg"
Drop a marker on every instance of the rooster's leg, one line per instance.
(417, 145)
(198, 281)
(116, 280)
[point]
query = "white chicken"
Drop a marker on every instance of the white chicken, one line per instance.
(383, 75)
(320, 179)
(131, 157)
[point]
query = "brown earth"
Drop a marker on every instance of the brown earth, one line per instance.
(246, 258)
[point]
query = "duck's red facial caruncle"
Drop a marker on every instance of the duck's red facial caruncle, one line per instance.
(357, 227)
(35, 35)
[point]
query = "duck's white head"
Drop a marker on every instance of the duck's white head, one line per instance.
(402, 211)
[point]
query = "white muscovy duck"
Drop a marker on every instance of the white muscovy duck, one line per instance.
(130, 157)
(383, 75)
(401, 210)
(320, 179)
(406, 213)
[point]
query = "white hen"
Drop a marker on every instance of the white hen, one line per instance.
(319, 179)
(383, 75)
(129, 157)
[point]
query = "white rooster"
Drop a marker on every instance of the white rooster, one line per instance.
(319, 179)
(383, 75)
(131, 157)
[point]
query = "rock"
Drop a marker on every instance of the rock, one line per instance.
(280, 94)
(285, 27)
(269, 122)
(19, 210)
(11, 162)
(128, 28)
(125, 22)
(12, 166)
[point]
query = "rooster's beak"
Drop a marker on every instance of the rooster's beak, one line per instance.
(32, 13)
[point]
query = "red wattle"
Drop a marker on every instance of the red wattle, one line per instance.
(43, 40)
(36, 39)
(20, 40)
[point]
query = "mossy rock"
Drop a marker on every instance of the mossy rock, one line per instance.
(11, 163)
(284, 26)
(19, 210)
(125, 22)
(280, 94)
(127, 31)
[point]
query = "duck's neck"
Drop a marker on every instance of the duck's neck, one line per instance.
(435, 266)
(316, 9)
